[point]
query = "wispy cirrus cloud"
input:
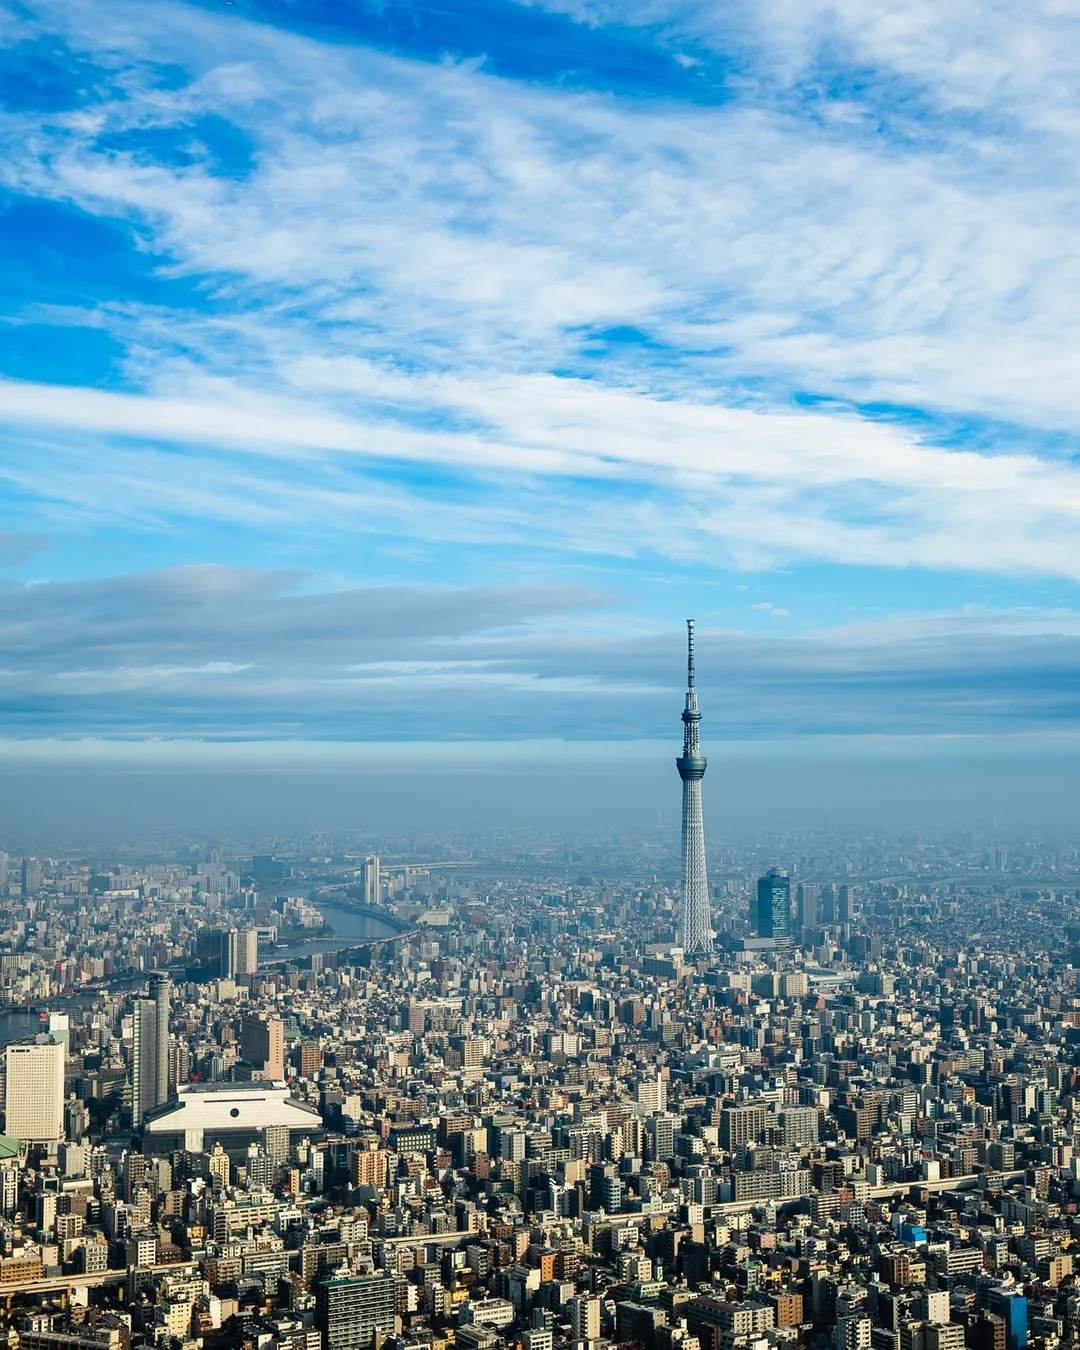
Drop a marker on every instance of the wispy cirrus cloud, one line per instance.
(742, 240)
(753, 488)
(820, 314)
(975, 55)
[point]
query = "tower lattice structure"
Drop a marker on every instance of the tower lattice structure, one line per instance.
(697, 936)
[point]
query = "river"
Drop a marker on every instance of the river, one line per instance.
(15, 1025)
(349, 929)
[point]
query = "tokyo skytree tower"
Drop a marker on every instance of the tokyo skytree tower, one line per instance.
(697, 936)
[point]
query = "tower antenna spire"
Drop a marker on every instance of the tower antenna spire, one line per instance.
(697, 935)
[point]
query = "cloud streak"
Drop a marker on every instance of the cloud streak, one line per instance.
(243, 654)
(761, 487)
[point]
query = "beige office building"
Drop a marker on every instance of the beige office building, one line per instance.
(34, 1098)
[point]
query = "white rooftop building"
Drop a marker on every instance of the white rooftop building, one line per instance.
(232, 1114)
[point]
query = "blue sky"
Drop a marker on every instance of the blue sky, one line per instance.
(394, 370)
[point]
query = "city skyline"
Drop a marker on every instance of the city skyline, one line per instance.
(401, 374)
(474, 1094)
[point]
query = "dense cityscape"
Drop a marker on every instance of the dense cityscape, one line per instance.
(523, 1090)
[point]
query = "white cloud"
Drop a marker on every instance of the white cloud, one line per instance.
(760, 487)
(1001, 56)
(454, 217)
(418, 248)
(996, 55)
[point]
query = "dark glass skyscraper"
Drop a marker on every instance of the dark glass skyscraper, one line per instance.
(774, 904)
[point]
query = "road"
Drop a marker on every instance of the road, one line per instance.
(61, 1284)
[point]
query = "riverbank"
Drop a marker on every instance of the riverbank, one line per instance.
(348, 929)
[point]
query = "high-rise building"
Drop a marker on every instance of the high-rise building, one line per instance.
(311, 1058)
(1011, 1306)
(31, 876)
(652, 1095)
(218, 1166)
(179, 1065)
(697, 936)
(512, 1145)
(247, 952)
(660, 1137)
(239, 953)
(989, 1332)
(159, 993)
(76, 1120)
(262, 1044)
(844, 905)
(276, 1141)
(227, 962)
(800, 1126)
(351, 1311)
(143, 1049)
(150, 1049)
(932, 1305)
(370, 880)
(34, 1098)
(774, 904)
(807, 905)
(261, 1168)
(10, 1172)
(265, 867)
(605, 1190)
(584, 1318)
(741, 1125)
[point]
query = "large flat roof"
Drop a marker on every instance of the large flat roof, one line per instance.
(244, 1085)
(231, 1106)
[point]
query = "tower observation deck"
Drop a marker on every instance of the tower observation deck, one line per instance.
(697, 936)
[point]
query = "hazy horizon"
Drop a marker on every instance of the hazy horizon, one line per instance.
(58, 792)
